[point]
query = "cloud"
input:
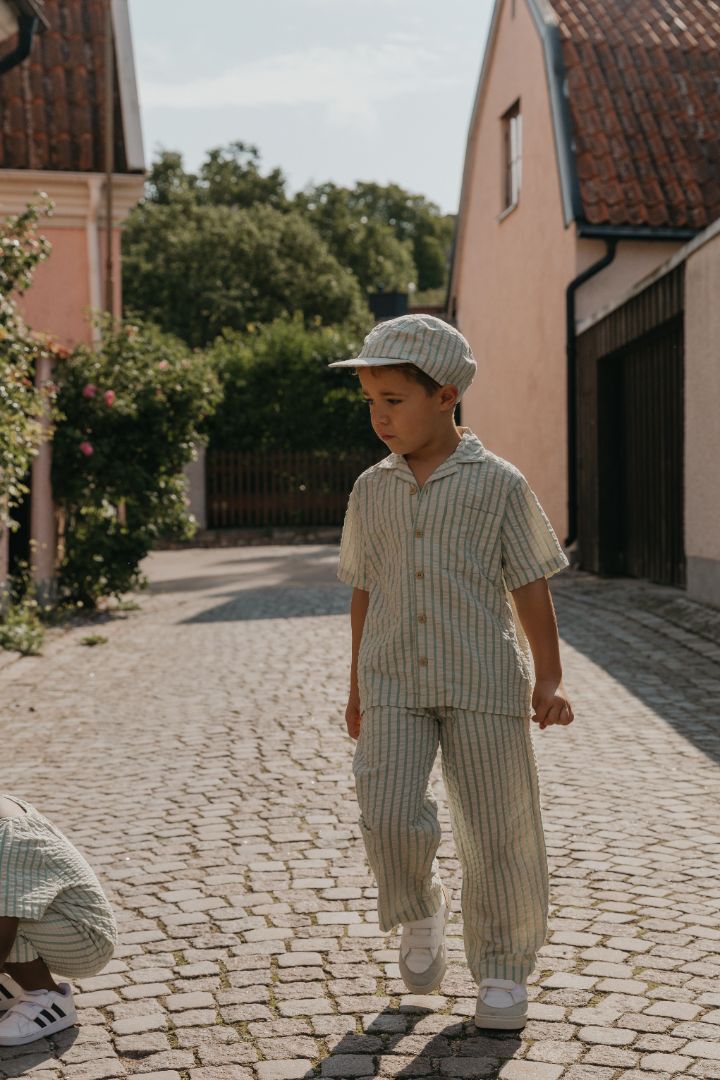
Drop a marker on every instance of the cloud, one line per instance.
(349, 82)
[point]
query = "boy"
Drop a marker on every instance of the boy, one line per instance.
(436, 537)
(54, 916)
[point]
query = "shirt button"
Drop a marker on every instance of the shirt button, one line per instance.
(419, 574)
(422, 618)
(423, 661)
(413, 489)
(419, 533)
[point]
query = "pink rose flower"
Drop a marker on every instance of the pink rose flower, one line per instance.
(86, 448)
(163, 365)
(89, 390)
(109, 397)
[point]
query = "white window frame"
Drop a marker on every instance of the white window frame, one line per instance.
(512, 158)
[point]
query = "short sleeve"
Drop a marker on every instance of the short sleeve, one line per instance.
(29, 880)
(530, 548)
(353, 566)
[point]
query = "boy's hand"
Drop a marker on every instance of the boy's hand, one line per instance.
(352, 715)
(551, 704)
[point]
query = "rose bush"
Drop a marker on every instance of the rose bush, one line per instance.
(130, 411)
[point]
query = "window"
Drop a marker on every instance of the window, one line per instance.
(512, 156)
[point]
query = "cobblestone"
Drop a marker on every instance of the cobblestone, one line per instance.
(210, 785)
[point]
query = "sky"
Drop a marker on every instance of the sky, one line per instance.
(340, 90)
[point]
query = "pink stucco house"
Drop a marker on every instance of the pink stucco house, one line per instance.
(592, 158)
(54, 129)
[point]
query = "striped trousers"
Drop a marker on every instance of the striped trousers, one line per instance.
(68, 948)
(491, 779)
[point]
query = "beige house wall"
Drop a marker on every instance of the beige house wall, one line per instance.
(66, 288)
(634, 260)
(511, 274)
(511, 271)
(702, 426)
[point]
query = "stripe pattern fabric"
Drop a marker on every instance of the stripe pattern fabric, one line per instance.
(440, 562)
(490, 774)
(64, 915)
(68, 947)
(431, 344)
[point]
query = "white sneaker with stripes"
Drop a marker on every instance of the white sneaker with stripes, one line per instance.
(36, 1014)
(10, 991)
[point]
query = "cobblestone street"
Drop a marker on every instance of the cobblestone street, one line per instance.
(199, 760)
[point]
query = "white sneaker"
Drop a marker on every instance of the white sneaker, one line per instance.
(423, 953)
(36, 1014)
(10, 991)
(501, 1004)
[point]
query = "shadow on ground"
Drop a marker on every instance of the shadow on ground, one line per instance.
(655, 641)
(400, 1039)
(35, 1057)
(296, 566)
(661, 646)
(278, 602)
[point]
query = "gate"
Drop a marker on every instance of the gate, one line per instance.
(283, 488)
(630, 368)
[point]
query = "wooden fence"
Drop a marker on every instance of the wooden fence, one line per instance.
(280, 487)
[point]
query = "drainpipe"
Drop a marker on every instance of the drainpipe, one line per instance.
(611, 245)
(27, 25)
(109, 159)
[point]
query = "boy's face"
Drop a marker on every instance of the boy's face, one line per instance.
(403, 414)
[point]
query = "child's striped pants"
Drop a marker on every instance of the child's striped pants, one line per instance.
(491, 779)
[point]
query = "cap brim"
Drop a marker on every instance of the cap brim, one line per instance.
(370, 361)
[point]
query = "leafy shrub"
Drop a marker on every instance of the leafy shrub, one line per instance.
(279, 394)
(130, 412)
(22, 628)
(21, 403)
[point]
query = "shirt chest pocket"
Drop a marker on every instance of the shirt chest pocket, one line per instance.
(385, 540)
(477, 548)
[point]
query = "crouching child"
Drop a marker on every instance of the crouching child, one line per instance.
(54, 917)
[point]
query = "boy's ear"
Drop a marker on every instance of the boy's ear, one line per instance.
(449, 396)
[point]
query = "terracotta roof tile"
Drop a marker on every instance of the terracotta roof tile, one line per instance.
(52, 105)
(644, 92)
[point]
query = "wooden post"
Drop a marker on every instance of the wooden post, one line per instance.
(42, 510)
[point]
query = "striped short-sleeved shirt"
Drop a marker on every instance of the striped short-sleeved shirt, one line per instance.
(439, 562)
(42, 872)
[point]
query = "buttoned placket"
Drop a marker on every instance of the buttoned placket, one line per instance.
(420, 615)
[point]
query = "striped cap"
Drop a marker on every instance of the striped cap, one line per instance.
(434, 346)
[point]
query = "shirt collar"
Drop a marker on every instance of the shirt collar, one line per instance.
(469, 449)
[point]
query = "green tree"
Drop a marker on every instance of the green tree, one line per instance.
(168, 182)
(416, 223)
(369, 246)
(230, 176)
(197, 270)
